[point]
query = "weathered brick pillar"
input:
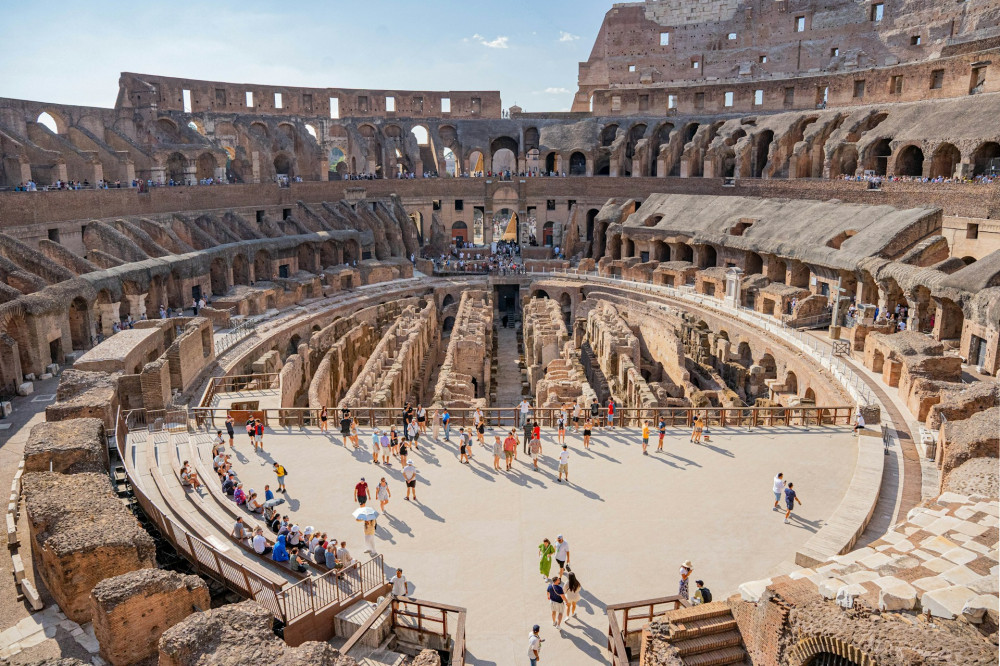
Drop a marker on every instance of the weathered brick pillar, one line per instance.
(131, 611)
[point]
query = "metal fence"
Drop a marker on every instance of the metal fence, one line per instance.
(244, 329)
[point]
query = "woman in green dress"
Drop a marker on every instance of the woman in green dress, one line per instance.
(546, 550)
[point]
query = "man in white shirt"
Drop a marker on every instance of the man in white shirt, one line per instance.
(859, 422)
(344, 555)
(260, 543)
(525, 408)
(562, 553)
(779, 489)
(563, 464)
(534, 645)
(398, 583)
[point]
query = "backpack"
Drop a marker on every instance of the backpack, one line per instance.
(706, 595)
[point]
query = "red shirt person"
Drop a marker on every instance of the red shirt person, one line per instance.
(361, 492)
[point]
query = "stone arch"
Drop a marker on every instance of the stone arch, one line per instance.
(791, 382)
(53, 120)
(502, 160)
(15, 325)
(983, 156)
(539, 293)
(591, 216)
(172, 289)
(293, 345)
(744, 354)
(460, 230)
(476, 160)
(217, 275)
(769, 366)
(893, 295)
(761, 147)
(635, 134)
(241, 270)
(205, 165)
(531, 138)
(176, 162)
(944, 160)
(548, 233)
(259, 130)
(909, 161)
(566, 305)
(809, 395)
(844, 161)
(816, 650)
(754, 264)
(948, 320)
(550, 162)
(877, 156)
(328, 254)
(709, 257)
(577, 164)
(80, 326)
(608, 134)
(448, 325)
(684, 253)
(284, 165)
(661, 251)
(306, 255)
(262, 266)
(352, 252)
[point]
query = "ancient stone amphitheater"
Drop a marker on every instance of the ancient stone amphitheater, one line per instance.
(770, 216)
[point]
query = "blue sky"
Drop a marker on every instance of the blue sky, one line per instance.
(73, 53)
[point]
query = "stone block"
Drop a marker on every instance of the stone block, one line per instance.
(753, 590)
(67, 447)
(976, 608)
(937, 544)
(930, 583)
(848, 593)
(52, 369)
(31, 595)
(959, 555)
(829, 587)
(27, 388)
(947, 602)
(11, 531)
(18, 566)
(131, 611)
(960, 575)
(895, 594)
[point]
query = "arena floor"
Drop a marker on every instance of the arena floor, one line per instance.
(630, 520)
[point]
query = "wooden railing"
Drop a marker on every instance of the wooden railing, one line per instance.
(509, 417)
(643, 612)
(286, 602)
(235, 383)
(408, 614)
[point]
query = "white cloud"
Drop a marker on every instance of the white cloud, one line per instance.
(556, 91)
(499, 43)
(567, 36)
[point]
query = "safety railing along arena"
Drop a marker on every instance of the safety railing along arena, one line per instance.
(547, 417)
(286, 602)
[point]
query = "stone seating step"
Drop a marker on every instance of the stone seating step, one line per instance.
(702, 627)
(699, 612)
(728, 655)
(709, 642)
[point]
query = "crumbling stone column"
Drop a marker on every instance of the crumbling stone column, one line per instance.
(131, 611)
(81, 534)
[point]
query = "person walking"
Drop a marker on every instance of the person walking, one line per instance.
(588, 427)
(611, 413)
(259, 434)
(361, 492)
(279, 471)
(410, 476)
(572, 588)
(376, 445)
(422, 419)
(354, 434)
(563, 464)
(385, 443)
(464, 443)
(557, 601)
(382, 494)
(345, 428)
(534, 646)
(546, 550)
(230, 423)
(526, 434)
(562, 554)
(369, 529)
(791, 497)
(663, 431)
(576, 417)
(446, 422)
(497, 452)
(778, 488)
(645, 437)
(595, 411)
(399, 584)
(696, 431)
(509, 448)
(323, 416)
(561, 428)
(524, 408)
(536, 450)
(682, 587)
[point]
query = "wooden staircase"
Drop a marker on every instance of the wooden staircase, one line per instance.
(706, 635)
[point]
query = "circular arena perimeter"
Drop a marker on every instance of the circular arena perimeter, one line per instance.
(630, 520)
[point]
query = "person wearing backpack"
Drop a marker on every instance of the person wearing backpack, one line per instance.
(702, 595)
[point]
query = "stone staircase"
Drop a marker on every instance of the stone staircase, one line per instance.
(706, 635)
(594, 373)
(415, 396)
